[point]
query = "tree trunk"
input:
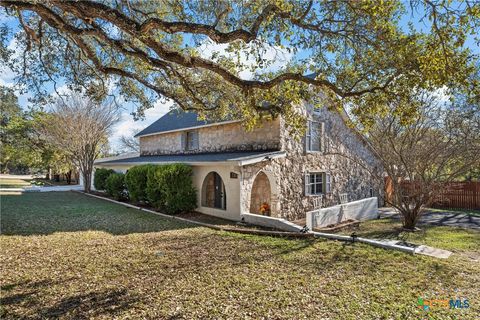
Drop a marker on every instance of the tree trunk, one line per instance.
(87, 180)
(68, 176)
(410, 218)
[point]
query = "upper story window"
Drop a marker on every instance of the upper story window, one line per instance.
(191, 140)
(317, 183)
(313, 136)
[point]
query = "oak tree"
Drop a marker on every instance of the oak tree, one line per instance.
(358, 52)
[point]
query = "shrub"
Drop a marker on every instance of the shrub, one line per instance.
(153, 190)
(115, 186)
(170, 188)
(101, 175)
(178, 193)
(136, 182)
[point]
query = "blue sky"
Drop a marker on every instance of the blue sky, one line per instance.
(127, 126)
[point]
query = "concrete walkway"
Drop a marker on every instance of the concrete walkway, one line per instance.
(43, 189)
(434, 218)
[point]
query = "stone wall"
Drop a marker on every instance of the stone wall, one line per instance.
(222, 137)
(346, 158)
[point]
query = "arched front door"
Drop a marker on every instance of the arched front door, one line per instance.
(260, 199)
(213, 192)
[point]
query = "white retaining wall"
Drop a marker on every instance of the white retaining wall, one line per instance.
(270, 222)
(365, 209)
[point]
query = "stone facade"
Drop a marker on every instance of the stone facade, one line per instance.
(280, 182)
(217, 138)
(346, 158)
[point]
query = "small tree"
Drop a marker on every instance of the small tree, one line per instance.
(80, 127)
(424, 151)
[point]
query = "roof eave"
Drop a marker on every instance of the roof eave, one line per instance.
(236, 161)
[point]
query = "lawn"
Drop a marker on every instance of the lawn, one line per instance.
(66, 255)
(13, 183)
(8, 182)
(463, 242)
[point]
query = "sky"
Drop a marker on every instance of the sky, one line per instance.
(128, 126)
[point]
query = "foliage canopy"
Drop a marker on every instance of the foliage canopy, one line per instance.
(356, 52)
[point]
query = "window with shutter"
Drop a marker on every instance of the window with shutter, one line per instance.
(317, 183)
(313, 183)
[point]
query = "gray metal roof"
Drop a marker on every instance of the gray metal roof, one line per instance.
(194, 158)
(176, 120)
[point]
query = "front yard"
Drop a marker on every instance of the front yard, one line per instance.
(68, 255)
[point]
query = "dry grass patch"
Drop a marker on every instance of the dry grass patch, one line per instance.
(124, 263)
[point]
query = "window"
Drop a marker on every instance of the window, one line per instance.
(191, 142)
(317, 183)
(313, 136)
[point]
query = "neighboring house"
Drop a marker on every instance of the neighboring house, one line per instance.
(237, 171)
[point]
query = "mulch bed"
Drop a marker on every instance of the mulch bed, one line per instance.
(342, 226)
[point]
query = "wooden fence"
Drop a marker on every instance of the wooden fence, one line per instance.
(453, 195)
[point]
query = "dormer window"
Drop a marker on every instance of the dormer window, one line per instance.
(191, 140)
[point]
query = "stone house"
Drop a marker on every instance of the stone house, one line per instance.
(263, 171)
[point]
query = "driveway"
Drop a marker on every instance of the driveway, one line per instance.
(435, 218)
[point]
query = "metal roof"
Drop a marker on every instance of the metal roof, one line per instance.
(243, 157)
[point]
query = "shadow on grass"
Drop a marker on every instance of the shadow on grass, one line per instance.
(31, 297)
(50, 212)
(85, 306)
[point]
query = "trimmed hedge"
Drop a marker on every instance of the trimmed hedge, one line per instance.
(115, 186)
(170, 188)
(100, 178)
(136, 182)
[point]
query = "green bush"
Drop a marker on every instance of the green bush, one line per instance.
(101, 175)
(153, 190)
(136, 182)
(170, 188)
(179, 194)
(115, 186)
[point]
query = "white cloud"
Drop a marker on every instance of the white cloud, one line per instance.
(7, 76)
(127, 126)
(276, 57)
(442, 94)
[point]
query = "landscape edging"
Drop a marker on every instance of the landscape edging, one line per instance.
(203, 224)
(309, 234)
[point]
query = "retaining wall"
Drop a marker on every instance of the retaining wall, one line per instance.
(270, 222)
(365, 209)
